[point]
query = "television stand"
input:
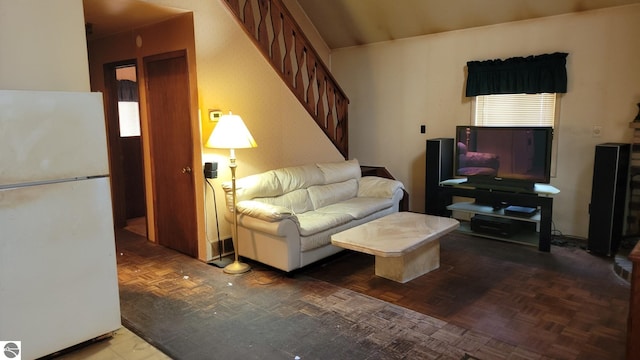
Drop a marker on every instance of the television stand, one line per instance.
(493, 222)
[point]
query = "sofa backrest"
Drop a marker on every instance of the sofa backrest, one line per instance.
(298, 177)
(336, 172)
(323, 195)
(283, 186)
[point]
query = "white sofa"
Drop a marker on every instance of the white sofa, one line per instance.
(287, 216)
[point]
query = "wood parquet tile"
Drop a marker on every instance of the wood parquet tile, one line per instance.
(191, 310)
(567, 304)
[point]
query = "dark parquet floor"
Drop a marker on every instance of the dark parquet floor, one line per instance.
(489, 299)
(567, 304)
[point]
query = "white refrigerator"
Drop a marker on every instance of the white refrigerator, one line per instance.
(58, 276)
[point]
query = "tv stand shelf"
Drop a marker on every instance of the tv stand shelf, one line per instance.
(540, 199)
(473, 208)
(526, 236)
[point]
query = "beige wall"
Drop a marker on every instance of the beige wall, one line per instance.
(43, 46)
(396, 86)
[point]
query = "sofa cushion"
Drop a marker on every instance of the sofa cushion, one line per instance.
(323, 195)
(358, 207)
(340, 171)
(313, 222)
(260, 185)
(298, 177)
(297, 201)
(373, 186)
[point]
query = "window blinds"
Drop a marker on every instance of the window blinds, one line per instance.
(515, 110)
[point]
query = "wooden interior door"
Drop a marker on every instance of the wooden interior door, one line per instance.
(168, 108)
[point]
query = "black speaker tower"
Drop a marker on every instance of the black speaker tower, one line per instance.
(439, 167)
(608, 198)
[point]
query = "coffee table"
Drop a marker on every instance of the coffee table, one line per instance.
(406, 245)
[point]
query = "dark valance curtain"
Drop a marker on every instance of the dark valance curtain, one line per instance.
(545, 73)
(127, 90)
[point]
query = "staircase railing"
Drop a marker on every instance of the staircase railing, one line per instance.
(282, 42)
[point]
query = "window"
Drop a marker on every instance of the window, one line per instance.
(128, 109)
(129, 116)
(515, 110)
(519, 110)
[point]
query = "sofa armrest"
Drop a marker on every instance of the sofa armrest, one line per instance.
(285, 228)
(264, 211)
(373, 186)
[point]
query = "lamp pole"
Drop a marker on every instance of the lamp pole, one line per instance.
(235, 267)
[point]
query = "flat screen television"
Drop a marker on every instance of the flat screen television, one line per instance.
(513, 158)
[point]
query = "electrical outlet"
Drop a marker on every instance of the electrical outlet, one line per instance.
(597, 131)
(423, 129)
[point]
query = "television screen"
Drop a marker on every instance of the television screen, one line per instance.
(504, 154)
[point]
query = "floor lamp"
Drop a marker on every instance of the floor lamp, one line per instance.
(231, 133)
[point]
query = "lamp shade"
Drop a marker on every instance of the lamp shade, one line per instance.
(230, 133)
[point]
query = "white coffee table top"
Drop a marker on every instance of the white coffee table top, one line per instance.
(395, 234)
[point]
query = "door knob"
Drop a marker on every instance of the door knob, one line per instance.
(186, 170)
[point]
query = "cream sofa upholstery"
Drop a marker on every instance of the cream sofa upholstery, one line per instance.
(287, 216)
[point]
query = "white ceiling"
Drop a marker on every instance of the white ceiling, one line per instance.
(108, 17)
(344, 23)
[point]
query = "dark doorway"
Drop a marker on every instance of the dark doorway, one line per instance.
(125, 146)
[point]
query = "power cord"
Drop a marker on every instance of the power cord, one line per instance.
(220, 262)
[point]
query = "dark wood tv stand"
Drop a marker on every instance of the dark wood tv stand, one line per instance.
(540, 198)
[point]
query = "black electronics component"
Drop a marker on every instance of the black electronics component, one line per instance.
(210, 170)
(520, 210)
(439, 167)
(494, 225)
(608, 197)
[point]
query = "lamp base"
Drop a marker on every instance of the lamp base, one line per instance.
(236, 267)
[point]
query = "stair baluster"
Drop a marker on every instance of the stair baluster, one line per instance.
(290, 53)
